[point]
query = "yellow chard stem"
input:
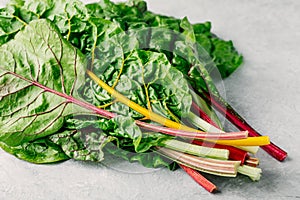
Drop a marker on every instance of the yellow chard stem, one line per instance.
(147, 113)
(250, 141)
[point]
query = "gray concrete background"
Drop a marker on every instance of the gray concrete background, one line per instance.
(265, 90)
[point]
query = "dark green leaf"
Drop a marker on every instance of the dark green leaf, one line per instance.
(225, 57)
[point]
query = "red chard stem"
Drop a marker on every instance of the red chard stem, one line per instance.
(198, 178)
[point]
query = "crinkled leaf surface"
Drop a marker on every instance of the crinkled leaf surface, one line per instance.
(85, 28)
(85, 145)
(17, 14)
(131, 138)
(10, 24)
(134, 15)
(70, 16)
(82, 25)
(144, 77)
(38, 57)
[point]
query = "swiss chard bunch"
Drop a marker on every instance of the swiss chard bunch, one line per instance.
(81, 81)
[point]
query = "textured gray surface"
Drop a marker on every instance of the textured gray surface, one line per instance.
(265, 90)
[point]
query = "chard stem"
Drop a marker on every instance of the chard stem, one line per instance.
(202, 124)
(201, 180)
(192, 135)
(234, 153)
(196, 150)
(253, 172)
(250, 149)
(207, 165)
(205, 110)
(253, 162)
(250, 141)
(147, 113)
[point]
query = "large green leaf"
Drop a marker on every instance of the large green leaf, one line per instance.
(62, 12)
(36, 68)
(129, 14)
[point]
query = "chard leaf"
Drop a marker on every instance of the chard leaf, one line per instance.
(127, 13)
(126, 128)
(225, 56)
(10, 23)
(144, 77)
(70, 16)
(223, 53)
(61, 12)
(80, 25)
(82, 144)
(37, 68)
(39, 151)
(134, 15)
(131, 138)
(148, 159)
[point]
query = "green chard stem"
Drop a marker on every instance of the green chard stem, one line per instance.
(253, 172)
(200, 123)
(196, 150)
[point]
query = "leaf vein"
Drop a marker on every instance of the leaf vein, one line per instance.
(58, 60)
(54, 120)
(38, 62)
(14, 92)
(27, 105)
(37, 114)
(75, 73)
